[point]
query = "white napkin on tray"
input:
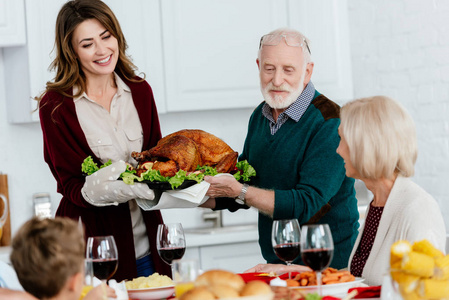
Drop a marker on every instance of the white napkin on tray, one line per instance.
(186, 198)
(120, 290)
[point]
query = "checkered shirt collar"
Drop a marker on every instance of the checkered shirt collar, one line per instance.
(296, 109)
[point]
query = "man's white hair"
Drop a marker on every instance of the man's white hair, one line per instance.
(305, 47)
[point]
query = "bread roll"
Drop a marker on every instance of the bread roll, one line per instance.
(198, 293)
(223, 291)
(220, 277)
(255, 287)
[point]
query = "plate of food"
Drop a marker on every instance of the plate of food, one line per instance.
(165, 185)
(335, 289)
(182, 179)
(151, 293)
(180, 159)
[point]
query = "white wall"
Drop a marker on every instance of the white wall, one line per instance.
(400, 48)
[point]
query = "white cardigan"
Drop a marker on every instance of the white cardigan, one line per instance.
(409, 214)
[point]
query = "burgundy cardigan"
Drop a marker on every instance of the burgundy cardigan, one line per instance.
(65, 148)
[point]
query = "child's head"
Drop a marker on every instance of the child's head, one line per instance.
(46, 254)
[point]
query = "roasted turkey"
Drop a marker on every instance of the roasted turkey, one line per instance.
(186, 149)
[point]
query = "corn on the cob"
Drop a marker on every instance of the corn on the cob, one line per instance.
(398, 250)
(411, 296)
(407, 282)
(425, 247)
(434, 288)
(418, 264)
(442, 267)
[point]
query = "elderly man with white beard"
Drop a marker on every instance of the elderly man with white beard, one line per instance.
(291, 143)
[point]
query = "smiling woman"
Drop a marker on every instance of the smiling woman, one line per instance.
(96, 106)
(96, 48)
(97, 52)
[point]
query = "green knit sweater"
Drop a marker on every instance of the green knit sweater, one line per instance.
(301, 165)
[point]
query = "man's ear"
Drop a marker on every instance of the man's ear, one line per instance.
(309, 71)
(258, 63)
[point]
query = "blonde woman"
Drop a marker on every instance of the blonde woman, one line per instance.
(378, 145)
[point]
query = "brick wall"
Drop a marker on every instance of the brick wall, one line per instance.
(400, 48)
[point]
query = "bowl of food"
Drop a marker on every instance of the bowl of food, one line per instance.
(154, 286)
(151, 293)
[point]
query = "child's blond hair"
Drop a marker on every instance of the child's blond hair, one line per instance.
(46, 253)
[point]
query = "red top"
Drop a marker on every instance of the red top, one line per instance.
(65, 148)
(366, 243)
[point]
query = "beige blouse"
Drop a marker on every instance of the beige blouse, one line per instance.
(114, 135)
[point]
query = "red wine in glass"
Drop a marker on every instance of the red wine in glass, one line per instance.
(285, 238)
(317, 249)
(317, 259)
(287, 251)
(104, 268)
(170, 242)
(102, 252)
(170, 254)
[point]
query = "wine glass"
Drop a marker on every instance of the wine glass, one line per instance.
(171, 243)
(102, 251)
(285, 237)
(317, 249)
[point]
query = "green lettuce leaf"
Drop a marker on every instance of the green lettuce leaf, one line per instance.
(108, 163)
(154, 175)
(129, 176)
(208, 171)
(89, 166)
(178, 179)
(312, 296)
(245, 171)
(197, 177)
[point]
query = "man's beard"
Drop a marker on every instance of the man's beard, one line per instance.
(278, 101)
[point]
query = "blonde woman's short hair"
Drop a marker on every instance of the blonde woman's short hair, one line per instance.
(381, 137)
(46, 253)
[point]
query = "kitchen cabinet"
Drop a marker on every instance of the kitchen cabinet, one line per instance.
(210, 49)
(140, 21)
(325, 23)
(211, 46)
(196, 54)
(233, 257)
(26, 67)
(235, 251)
(12, 23)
